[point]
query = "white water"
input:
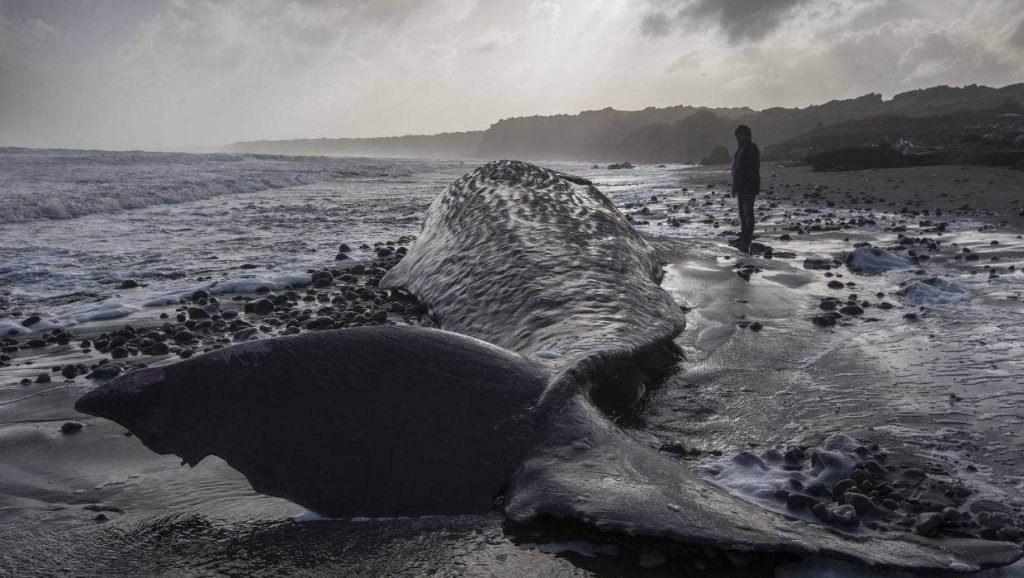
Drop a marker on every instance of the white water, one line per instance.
(76, 224)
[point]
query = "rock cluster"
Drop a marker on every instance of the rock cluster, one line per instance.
(847, 484)
(333, 298)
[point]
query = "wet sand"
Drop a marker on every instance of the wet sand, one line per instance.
(942, 393)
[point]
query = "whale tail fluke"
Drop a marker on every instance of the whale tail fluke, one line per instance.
(591, 471)
(381, 421)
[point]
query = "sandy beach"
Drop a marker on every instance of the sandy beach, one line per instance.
(933, 378)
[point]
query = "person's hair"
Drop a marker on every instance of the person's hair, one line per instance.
(744, 130)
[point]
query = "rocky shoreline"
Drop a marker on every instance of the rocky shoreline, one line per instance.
(345, 294)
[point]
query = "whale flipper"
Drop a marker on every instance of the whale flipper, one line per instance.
(413, 421)
(588, 469)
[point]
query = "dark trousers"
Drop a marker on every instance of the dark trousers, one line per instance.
(746, 207)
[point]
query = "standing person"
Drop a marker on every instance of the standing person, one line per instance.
(746, 184)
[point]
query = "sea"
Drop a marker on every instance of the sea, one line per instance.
(90, 237)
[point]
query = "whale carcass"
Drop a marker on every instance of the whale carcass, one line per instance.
(551, 317)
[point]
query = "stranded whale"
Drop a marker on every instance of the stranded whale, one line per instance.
(552, 317)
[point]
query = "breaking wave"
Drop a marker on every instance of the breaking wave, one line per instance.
(66, 184)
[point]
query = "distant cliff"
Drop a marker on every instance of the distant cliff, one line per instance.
(686, 133)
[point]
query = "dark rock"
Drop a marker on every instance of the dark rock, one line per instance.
(70, 427)
(851, 309)
(835, 285)
(1010, 533)
(317, 323)
(69, 371)
(817, 490)
(622, 165)
(929, 524)
(197, 313)
(824, 321)
(842, 486)
(245, 334)
(129, 284)
(845, 515)
(800, 502)
(43, 378)
(821, 512)
(158, 348)
(119, 352)
(750, 460)
(106, 371)
(262, 306)
(31, 320)
(861, 503)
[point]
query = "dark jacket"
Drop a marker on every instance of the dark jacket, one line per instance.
(746, 170)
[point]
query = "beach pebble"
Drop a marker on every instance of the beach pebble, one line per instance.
(70, 427)
(800, 502)
(317, 323)
(851, 309)
(158, 348)
(861, 503)
(929, 524)
(43, 378)
(824, 321)
(262, 306)
(129, 284)
(844, 515)
(106, 371)
(119, 352)
(245, 334)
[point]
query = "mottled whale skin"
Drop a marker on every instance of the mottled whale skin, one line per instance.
(551, 315)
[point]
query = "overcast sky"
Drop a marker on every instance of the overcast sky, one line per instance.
(174, 73)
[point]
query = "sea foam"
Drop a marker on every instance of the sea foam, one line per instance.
(59, 184)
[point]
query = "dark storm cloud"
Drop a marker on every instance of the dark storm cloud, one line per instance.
(1018, 37)
(168, 73)
(656, 24)
(739, 20)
